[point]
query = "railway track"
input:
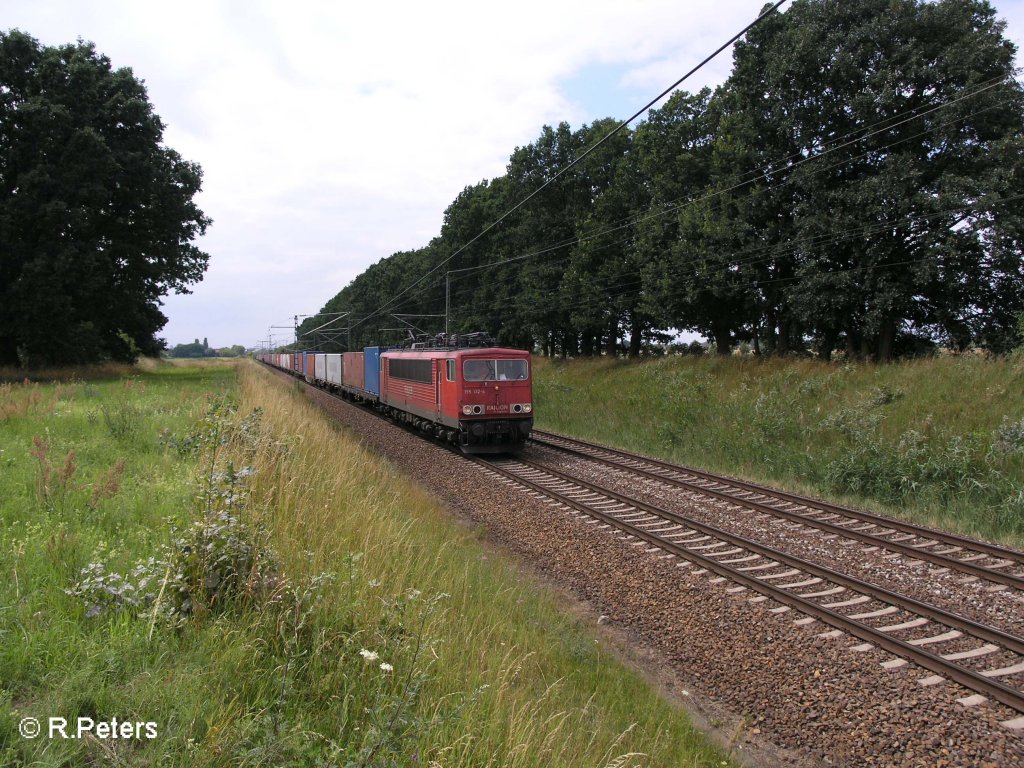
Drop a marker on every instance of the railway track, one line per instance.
(981, 658)
(975, 559)
(984, 659)
(765, 662)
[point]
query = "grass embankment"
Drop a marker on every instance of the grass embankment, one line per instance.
(209, 553)
(940, 441)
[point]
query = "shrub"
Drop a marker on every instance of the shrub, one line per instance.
(1009, 437)
(122, 419)
(217, 562)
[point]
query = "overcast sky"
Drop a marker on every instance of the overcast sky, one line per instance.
(333, 134)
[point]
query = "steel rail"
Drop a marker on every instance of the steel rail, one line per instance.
(982, 631)
(916, 552)
(966, 677)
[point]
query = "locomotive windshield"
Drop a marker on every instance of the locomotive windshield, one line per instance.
(476, 369)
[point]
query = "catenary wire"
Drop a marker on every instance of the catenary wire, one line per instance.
(763, 174)
(576, 160)
(663, 212)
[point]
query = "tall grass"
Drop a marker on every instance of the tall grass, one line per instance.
(235, 568)
(940, 440)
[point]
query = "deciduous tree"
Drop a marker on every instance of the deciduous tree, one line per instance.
(97, 218)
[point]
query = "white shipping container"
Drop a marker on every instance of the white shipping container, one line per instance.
(334, 368)
(320, 369)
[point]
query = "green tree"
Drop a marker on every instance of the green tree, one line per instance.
(188, 350)
(602, 283)
(908, 225)
(97, 217)
(483, 291)
(688, 252)
(546, 223)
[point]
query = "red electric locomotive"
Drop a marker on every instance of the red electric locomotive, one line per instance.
(479, 398)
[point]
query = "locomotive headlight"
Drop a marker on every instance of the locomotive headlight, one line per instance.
(527, 407)
(467, 409)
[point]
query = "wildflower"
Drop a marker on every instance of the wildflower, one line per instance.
(368, 656)
(385, 667)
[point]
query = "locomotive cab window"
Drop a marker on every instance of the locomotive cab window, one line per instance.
(475, 369)
(511, 370)
(451, 369)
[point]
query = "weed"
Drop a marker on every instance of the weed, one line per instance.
(123, 419)
(670, 436)
(1009, 514)
(105, 592)
(63, 547)
(24, 400)
(915, 466)
(769, 419)
(188, 445)
(107, 485)
(885, 395)
(65, 391)
(219, 427)
(855, 422)
(219, 562)
(53, 485)
(393, 716)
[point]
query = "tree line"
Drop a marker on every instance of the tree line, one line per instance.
(197, 349)
(856, 185)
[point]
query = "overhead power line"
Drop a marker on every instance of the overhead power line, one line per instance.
(778, 166)
(628, 282)
(679, 204)
(388, 304)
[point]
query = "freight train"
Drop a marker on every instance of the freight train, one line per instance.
(460, 390)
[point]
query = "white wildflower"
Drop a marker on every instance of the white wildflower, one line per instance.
(385, 667)
(368, 656)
